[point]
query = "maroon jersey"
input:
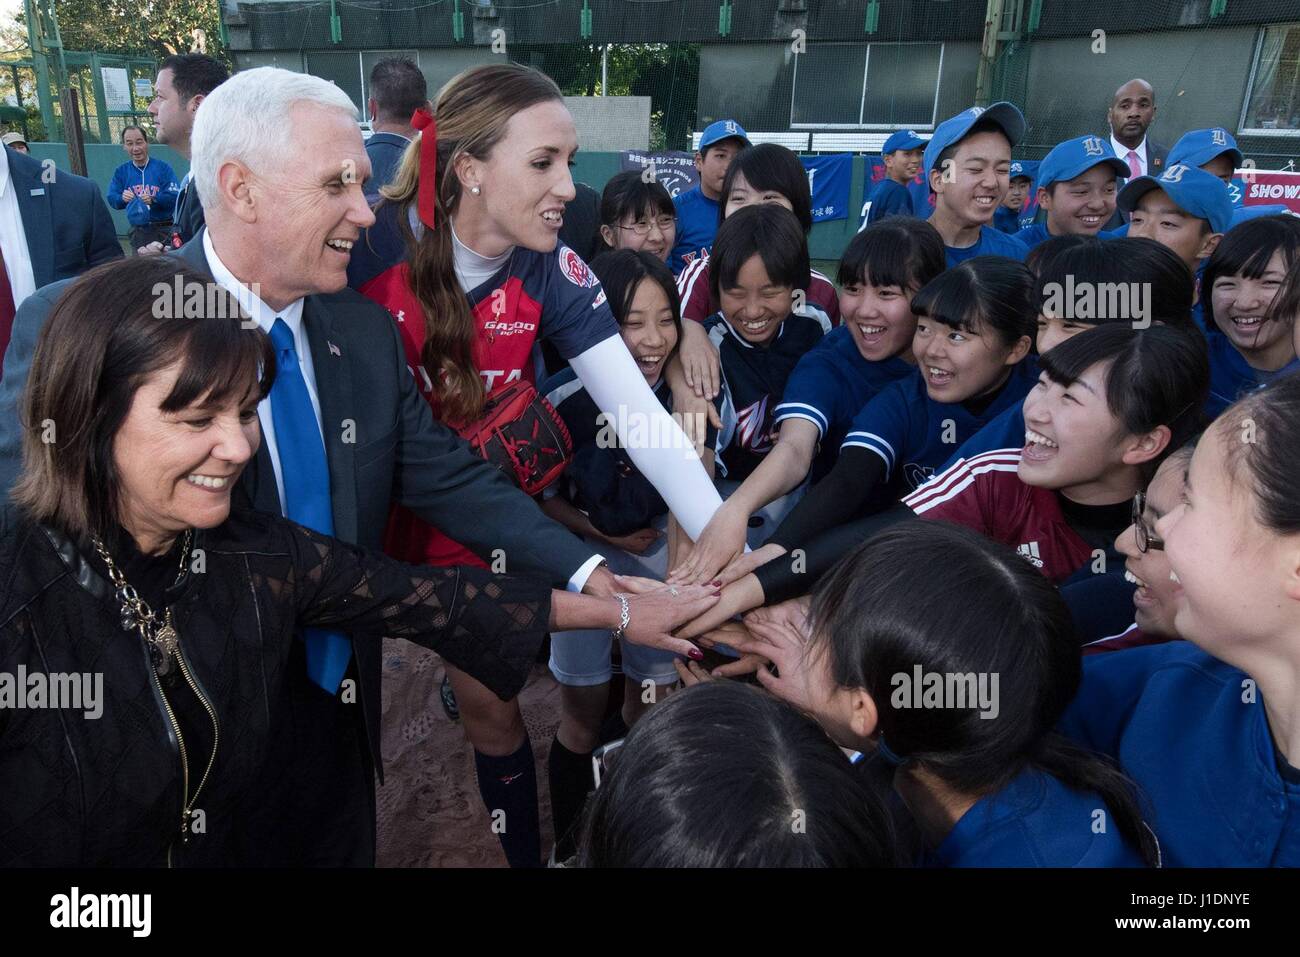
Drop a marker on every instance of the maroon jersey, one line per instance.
(985, 493)
(698, 303)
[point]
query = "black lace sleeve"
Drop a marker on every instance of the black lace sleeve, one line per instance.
(490, 626)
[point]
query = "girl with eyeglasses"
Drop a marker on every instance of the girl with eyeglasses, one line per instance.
(1145, 564)
(638, 215)
(1209, 727)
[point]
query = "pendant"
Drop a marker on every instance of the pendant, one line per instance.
(164, 643)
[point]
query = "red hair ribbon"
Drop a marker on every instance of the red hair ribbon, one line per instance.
(427, 199)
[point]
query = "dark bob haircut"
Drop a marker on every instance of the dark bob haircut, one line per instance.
(111, 330)
(627, 194)
(1118, 263)
(987, 293)
(1245, 250)
(1156, 376)
(718, 775)
(897, 251)
(1272, 461)
(769, 232)
(999, 617)
(769, 167)
(620, 273)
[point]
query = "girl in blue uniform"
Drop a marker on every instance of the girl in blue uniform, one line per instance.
(880, 273)
(1248, 335)
(954, 702)
(1209, 727)
(975, 325)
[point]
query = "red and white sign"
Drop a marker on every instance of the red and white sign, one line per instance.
(1269, 188)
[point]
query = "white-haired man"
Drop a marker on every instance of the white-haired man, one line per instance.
(279, 164)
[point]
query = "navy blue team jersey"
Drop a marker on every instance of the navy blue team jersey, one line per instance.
(1006, 220)
(991, 243)
(914, 434)
(1192, 732)
(753, 384)
(830, 384)
(1231, 376)
(697, 224)
(889, 198)
(1006, 430)
(1035, 821)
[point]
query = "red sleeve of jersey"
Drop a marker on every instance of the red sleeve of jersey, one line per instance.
(693, 287)
(822, 294)
(963, 494)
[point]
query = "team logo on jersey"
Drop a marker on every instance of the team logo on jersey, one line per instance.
(1029, 552)
(1234, 192)
(754, 426)
(1219, 137)
(505, 328)
(1174, 174)
(574, 269)
(917, 475)
(599, 300)
(1092, 146)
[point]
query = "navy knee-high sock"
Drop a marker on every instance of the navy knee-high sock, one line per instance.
(509, 784)
(571, 781)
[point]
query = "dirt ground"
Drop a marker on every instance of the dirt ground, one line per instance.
(430, 813)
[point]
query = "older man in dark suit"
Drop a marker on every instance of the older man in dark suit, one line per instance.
(278, 235)
(52, 225)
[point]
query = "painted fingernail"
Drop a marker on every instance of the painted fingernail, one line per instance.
(716, 583)
(695, 654)
(718, 593)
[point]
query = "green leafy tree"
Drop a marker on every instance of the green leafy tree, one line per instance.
(154, 27)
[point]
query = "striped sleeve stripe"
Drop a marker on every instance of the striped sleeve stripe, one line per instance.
(869, 440)
(955, 481)
(941, 482)
(801, 410)
(689, 277)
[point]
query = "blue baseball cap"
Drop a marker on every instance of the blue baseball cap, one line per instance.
(1198, 147)
(722, 130)
(1075, 157)
(902, 140)
(1193, 190)
(1004, 115)
(1245, 213)
(1024, 169)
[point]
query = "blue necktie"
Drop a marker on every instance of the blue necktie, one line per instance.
(306, 475)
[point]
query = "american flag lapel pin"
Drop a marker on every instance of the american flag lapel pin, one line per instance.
(334, 350)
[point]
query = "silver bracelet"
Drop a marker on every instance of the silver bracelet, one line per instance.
(625, 618)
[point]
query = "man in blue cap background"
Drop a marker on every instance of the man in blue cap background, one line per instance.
(902, 154)
(1009, 215)
(1185, 208)
(697, 208)
(968, 168)
(1076, 187)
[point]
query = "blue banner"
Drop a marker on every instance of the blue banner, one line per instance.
(829, 178)
(674, 169)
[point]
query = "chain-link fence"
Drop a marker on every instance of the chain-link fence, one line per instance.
(828, 75)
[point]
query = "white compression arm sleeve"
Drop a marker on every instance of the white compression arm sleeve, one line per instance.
(657, 444)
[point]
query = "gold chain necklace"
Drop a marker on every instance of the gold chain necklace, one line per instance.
(138, 616)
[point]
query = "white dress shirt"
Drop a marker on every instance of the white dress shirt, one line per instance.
(13, 239)
(265, 317)
(1122, 152)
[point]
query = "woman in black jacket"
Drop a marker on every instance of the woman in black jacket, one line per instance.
(128, 578)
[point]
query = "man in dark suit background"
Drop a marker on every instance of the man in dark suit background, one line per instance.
(183, 82)
(1132, 111)
(53, 225)
(397, 90)
(277, 231)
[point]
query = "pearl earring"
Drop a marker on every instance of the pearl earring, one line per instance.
(475, 190)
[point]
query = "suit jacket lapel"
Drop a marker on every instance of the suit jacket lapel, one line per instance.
(38, 221)
(338, 418)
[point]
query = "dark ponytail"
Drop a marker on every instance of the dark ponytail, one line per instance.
(998, 618)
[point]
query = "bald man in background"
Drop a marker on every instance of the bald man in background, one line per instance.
(1132, 110)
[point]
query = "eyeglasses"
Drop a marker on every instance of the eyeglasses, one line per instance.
(602, 759)
(642, 227)
(1147, 540)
